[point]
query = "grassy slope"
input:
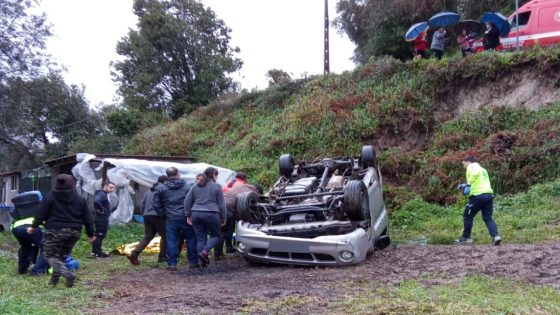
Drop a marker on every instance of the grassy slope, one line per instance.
(387, 103)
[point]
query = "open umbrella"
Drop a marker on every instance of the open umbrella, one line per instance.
(498, 20)
(415, 30)
(471, 26)
(443, 19)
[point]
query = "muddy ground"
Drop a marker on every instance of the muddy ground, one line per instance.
(229, 286)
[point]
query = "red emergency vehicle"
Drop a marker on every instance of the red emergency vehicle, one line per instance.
(539, 24)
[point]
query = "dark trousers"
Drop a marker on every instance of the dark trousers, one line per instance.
(205, 223)
(101, 227)
(30, 244)
(438, 53)
(58, 244)
(152, 225)
(175, 229)
(483, 203)
(227, 235)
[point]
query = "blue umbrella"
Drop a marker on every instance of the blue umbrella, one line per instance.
(498, 20)
(444, 19)
(415, 30)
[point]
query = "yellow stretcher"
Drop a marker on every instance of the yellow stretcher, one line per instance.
(126, 249)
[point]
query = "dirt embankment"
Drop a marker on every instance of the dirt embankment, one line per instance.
(230, 286)
(522, 88)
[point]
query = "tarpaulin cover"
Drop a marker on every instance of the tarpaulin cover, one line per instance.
(143, 172)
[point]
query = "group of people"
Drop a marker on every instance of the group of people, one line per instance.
(201, 215)
(465, 41)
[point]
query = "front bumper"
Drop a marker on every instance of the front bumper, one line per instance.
(331, 250)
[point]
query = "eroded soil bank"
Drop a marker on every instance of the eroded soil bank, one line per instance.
(229, 286)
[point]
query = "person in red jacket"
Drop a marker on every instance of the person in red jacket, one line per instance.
(240, 178)
(420, 45)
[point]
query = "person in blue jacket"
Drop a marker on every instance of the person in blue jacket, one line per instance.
(102, 207)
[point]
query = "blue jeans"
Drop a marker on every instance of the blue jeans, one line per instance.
(29, 244)
(205, 223)
(173, 230)
(483, 203)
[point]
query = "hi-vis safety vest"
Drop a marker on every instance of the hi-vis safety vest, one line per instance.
(479, 180)
(21, 222)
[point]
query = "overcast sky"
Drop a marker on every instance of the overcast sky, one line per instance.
(271, 34)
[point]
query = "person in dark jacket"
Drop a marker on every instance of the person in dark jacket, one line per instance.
(102, 207)
(491, 37)
(168, 201)
(63, 213)
(153, 223)
(205, 210)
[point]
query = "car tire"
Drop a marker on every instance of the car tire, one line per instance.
(356, 200)
(245, 204)
(286, 164)
(383, 241)
(369, 156)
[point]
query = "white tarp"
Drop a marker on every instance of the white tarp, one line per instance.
(143, 172)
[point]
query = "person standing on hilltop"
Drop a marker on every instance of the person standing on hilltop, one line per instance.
(481, 198)
(491, 37)
(438, 42)
(420, 46)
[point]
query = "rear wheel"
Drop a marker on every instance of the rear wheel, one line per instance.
(286, 164)
(369, 157)
(356, 200)
(246, 206)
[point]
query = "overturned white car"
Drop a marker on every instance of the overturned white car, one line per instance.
(325, 212)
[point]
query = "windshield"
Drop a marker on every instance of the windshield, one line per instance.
(523, 20)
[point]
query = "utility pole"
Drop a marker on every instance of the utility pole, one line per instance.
(326, 68)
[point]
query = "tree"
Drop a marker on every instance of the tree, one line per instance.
(22, 39)
(177, 60)
(42, 124)
(277, 77)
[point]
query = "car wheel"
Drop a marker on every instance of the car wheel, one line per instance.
(369, 157)
(246, 203)
(356, 200)
(383, 241)
(286, 164)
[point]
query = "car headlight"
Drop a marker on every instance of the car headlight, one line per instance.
(346, 255)
(241, 246)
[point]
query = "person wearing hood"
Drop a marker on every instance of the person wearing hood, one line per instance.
(63, 213)
(153, 223)
(205, 209)
(102, 206)
(168, 202)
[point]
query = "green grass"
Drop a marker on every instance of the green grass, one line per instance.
(473, 295)
(32, 295)
(527, 217)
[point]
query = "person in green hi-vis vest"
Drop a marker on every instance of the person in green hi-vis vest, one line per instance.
(481, 198)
